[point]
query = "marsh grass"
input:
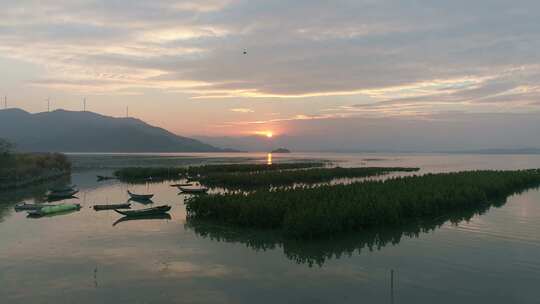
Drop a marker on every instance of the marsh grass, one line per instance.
(252, 176)
(23, 165)
(272, 179)
(163, 173)
(318, 252)
(323, 211)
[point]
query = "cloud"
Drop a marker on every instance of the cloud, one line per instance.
(398, 58)
(242, 110)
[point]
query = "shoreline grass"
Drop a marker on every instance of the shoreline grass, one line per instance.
(21, 169)
(329, 210)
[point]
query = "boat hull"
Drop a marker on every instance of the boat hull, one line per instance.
(112, 206)
(145, 212)
(62, 208)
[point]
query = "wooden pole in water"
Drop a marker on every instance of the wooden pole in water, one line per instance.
(392, 286)
(5, 102)
(84, 104)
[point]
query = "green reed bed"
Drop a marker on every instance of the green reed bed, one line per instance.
(139, 173)
(266, 179)
(327, 210)
(20, 169)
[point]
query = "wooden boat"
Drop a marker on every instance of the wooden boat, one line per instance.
(62, 194)
(164, 216)
(102, 178)
(140, 196)
(28, 206)
(112, 206)
(141, 201)
(62, 208)
(193, 190)
(145, 212)
(182, 185)
(63, 188)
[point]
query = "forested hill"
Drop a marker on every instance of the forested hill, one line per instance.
(70, 131)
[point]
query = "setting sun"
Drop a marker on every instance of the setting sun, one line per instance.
(268, 134)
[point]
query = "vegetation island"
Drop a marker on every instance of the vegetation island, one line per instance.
(326, 210)
(302, 201)
(281, 150)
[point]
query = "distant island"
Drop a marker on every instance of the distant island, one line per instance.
(83, 131)
(281, 150)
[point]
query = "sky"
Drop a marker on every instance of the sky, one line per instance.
(367, 73)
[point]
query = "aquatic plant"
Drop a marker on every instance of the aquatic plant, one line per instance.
(250, 176)
(331, 209)
(23, 165)
(266, 179)
(139, 173)
(317, 252)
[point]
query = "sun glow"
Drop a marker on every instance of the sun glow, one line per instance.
(268, 134)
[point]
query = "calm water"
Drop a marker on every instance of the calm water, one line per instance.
(82, 257)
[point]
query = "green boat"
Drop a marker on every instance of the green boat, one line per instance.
(49, 210)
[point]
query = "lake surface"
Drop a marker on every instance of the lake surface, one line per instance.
(89, 257)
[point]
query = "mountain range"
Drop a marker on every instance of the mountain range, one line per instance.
(72, 131)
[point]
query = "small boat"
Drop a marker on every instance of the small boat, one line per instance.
(182, 185)
(141, 201)
(63, 188)
(57, 199)
(140, 196)
(102, 178)
(164, 216)
(28, 206)
(145, 212)
(62, 194)
(112, 206)
(193, 189)
(62, 208)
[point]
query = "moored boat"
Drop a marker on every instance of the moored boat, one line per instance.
(29, 206)
(182, 185)
(62, 194)
(54, 210)
(112, 206)
(63, 188)
(140, 196)
(164, 216)
(145, 212)
(193, 190)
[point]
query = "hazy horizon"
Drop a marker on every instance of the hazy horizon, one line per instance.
(351, 75)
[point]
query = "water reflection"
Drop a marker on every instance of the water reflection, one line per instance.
(318, 252)
(269, 159)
